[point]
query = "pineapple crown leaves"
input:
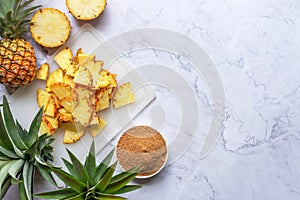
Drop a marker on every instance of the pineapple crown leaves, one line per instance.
(90, 181)
(21, 152)
(14, 17)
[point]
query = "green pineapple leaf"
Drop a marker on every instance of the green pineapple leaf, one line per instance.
(81, 184)
(69, 180)
(79, 169)
(57, 194)
(14, 136)
(103, 183)
(21, 152)
(90, 162)
(103, 166)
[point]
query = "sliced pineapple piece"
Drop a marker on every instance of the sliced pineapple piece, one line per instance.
(46, 127)
(83, 77)
(106, 79)
(79, 51)
(56, 76)
(53, 121)
(95, 129)
(102, 100)
(61, 90)
(42, 98)
(67, 103)
(94, 68)
(50, 27)
(73, 136)
(86, 9)
(82, 58)
(69, 80)
(43, 72)
(72, 69)
(51, 107)
(64, 58)
(123, 95)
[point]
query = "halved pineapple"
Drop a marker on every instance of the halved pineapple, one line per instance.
(43, 72)
(64, 58)
(50, 27)
(123, 96)
(86, 9)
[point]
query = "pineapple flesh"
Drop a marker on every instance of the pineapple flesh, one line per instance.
(50, 27)
(17, 56)
(86, 9)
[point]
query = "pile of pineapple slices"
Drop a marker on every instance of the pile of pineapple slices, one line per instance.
(75, 94)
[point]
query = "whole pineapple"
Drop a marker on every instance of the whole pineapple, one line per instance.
(17, 57)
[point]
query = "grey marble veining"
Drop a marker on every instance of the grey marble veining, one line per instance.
(255, 48)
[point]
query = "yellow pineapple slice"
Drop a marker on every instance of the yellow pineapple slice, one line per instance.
(53, 121)
(46, 127)
(83, 106)
(69, 80)
(102, 100)
(123, 95)
(72, 69)
(82, 57)
(56, 76)
(43, 72)
(73, 136)
(79, 51)
(51, 107)
(94, 68)
(50, 27)
(42, 98)
(95, 129)
(83, 77)
(86, 9)
(61, 90)
(64, 58)
(67, 103)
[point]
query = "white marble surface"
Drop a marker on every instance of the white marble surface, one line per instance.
(255, 48)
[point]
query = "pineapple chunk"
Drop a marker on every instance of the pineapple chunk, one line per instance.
(82, 58)
(46, 127)
(56, 76)
(43, 72)
(79, 51)
(42, 98)
(61, 90)
(83, 77)
(86, 9)
(69, 80)
(123, 96)
(51, 107)
(102, 100)
(72, 69)
(53, 121)
(95, 129)
(64, 58)
(50, 27)
(67, 103)
(94, 68)
(106, 79)
(73, 136)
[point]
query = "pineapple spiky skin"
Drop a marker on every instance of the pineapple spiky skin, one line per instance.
(22, 152)
(17, 57)
(17, 63)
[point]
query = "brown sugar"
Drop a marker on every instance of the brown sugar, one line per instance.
(144, 147)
